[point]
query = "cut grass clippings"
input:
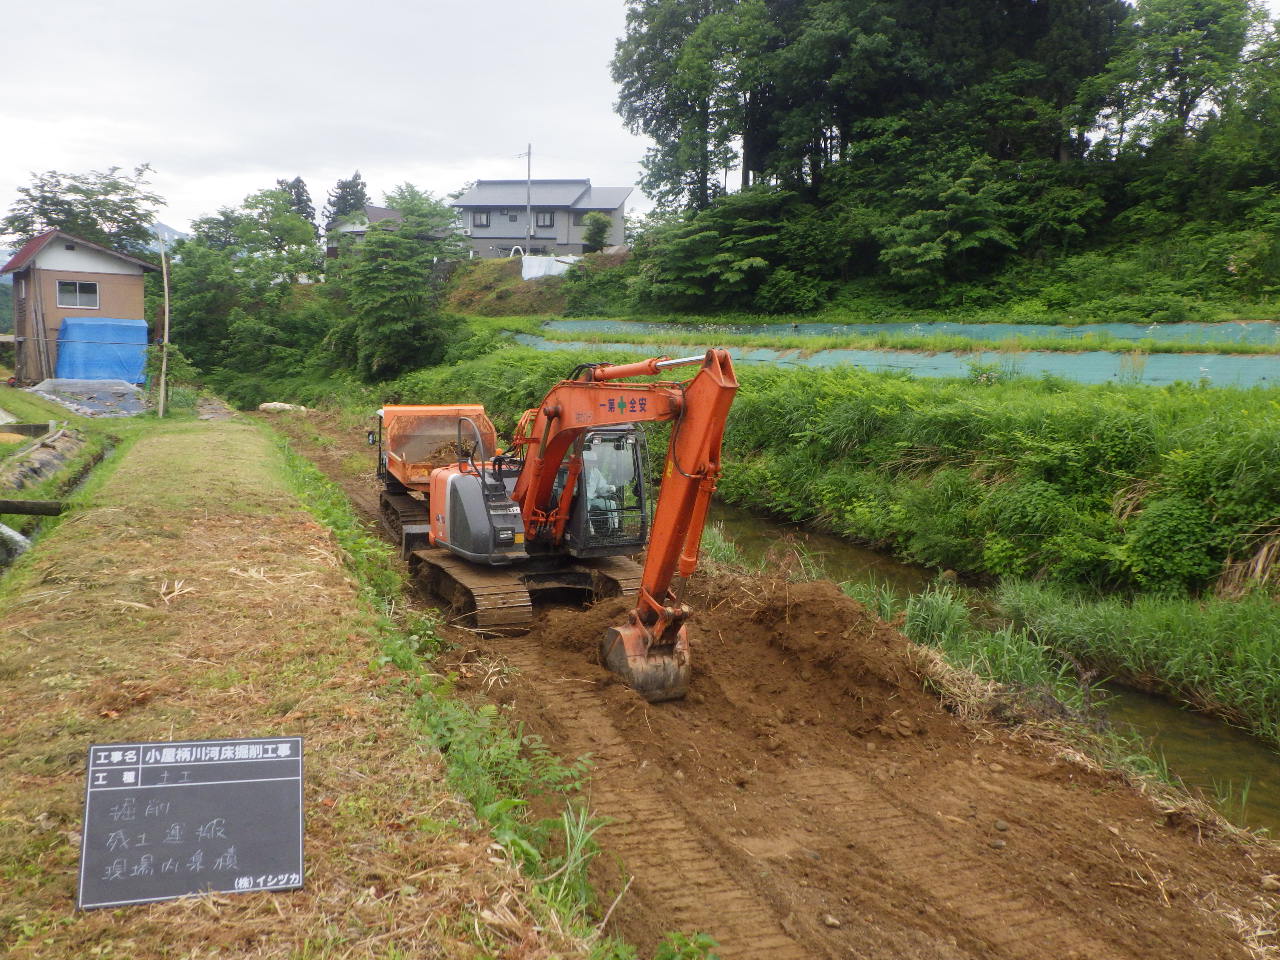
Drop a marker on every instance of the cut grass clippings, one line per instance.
(194, 599)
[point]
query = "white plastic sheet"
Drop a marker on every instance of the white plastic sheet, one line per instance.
(533, 267)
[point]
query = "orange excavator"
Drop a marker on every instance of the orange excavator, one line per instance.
(565, 506)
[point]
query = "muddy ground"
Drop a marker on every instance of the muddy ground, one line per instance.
(813, 798)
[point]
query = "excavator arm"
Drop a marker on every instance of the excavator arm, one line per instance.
(650, 651)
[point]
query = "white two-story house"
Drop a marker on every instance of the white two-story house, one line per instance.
(493, 215)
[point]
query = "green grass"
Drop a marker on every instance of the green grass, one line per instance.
(1215, 654)
(941, 617)
(29, 408)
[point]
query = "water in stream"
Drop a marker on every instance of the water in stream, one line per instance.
(1206, 753)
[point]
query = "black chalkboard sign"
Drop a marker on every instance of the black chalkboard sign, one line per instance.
(164, 820)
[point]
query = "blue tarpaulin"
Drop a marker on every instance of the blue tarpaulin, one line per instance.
(102, 348)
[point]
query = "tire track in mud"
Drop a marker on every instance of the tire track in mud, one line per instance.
(671, 864)
(1013, 926)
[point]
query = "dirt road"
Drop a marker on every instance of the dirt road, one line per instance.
(812, 798)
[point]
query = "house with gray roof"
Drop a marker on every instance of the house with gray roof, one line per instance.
(493, 215)
(355, 226)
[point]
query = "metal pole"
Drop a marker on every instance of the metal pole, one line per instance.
(164, 347)
(528, 201)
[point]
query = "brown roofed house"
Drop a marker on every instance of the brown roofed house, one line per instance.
(55, 276)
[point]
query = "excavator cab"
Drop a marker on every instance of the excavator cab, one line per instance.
(610, 515)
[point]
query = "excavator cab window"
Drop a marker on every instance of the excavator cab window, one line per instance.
(610, 516)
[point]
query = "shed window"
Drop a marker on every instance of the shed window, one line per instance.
(77, 293)
(546, 218)
(480, 218)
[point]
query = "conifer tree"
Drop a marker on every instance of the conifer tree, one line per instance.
(299, 198)
(347, 197)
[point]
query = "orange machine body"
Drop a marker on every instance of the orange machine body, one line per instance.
(424, 453)
(419, 438)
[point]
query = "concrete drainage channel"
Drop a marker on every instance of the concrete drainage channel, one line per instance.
(52, 447)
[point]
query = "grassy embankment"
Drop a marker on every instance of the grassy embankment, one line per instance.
(99, 437)
(1130, 506)
(494, 288)
(211, 604)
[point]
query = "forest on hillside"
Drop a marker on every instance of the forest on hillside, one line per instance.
(955, 151)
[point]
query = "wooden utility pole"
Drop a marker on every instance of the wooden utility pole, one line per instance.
(164, 344)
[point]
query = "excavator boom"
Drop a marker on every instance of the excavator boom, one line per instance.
(650, 651)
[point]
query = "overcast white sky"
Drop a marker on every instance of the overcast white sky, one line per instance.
(223, 97)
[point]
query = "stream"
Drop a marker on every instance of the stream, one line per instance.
(1205, 753)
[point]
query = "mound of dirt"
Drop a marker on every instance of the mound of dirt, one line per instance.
(811, 797)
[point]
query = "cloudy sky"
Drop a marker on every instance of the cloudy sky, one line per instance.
(222, 98)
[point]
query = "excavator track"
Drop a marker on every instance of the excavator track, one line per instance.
(494, 600)
(616, 576)
(497, 600)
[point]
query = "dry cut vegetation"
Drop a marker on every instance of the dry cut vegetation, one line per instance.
(208, 604)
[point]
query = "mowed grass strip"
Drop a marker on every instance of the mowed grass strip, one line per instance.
(194, 599)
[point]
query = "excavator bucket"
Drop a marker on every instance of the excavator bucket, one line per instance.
(657, 673)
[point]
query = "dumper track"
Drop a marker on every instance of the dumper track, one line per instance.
(396, 509)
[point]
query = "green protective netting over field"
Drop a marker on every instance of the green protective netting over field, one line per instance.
(1259, 332)
(1093, 366)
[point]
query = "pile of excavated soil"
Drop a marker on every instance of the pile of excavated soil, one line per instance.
(829, 659)
(813, 798)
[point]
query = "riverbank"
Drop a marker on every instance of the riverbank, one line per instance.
(193, 597)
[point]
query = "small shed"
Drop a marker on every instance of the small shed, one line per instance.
(56, 277)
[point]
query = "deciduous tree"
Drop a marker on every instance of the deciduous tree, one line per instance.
(109, 207)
